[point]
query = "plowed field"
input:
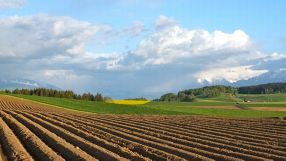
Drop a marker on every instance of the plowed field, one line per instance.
(31, 131)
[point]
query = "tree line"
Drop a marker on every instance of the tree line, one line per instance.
(270, 88)
(190, 95)
(138, 99)
(59, 94)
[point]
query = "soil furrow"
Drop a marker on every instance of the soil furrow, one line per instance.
(122, 151)
(149, 152)
(34, 145)
(67, 150)
(209, 146)
(247, 131)
(154, 140)
(42, 132)
(271, 126)
(219, 129)
(207, 131)
(2, 156)
(193, 133)
(163, 147)
(94, 150)
(206, 142)
(11, 145)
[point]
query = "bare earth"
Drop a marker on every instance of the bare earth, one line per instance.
(31, 131)
(269, 108)
(2, 157)
(218, 107)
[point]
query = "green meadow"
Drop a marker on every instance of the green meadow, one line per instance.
(166, 108)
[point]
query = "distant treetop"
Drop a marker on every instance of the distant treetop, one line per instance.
(139, 99)
(57, 93)
(190, 95)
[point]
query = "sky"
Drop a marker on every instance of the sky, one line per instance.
(140, 48)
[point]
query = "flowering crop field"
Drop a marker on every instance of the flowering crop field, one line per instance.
(130, 102)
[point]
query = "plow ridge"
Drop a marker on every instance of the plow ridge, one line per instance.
(149, 152)
(60, 145)
(192, 135)
(195, 133)
(196, 142)
(12, 145)
(98, 141)
(31, 131)
(191, 146)
(32, 143)
(208, 130)
(87, 146)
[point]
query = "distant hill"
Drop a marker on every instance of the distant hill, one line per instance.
(23, 83)
(278, 76)
(269, 88)
(191, 95)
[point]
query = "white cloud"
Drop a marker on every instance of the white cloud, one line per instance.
(90, 61)
(164, 21)
(65, 78)
(173, 43)
(213, 55)
(59, 74)
(135, 30)
(57, 50)
(26, 83)
(43, 35)
(230, 74)
(4, 4)
(274, 56)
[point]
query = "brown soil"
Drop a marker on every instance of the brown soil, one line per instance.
(31, 131)
(2, 156)
(281, 109)
(218, 107)
(12, 145)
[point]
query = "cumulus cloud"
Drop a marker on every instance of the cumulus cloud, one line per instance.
(40, 42)
(208, 56)
(56, 50)
(90, 60)
(43, 35)
(65, 78)
(230, 74)
(174, 43)
(274, 56)
(164, 21)
(54, 41)
(7, 4)
(135, 30)
(58, 74)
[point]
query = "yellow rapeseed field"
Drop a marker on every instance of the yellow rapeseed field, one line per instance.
(130, 102)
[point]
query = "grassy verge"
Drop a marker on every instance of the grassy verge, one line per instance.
(266, 104)
(189, 104)
(279, 97)
(97, 107)
(187, 108)
(153, 108)
(242, 106)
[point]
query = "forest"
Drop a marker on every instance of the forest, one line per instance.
(190, 95)
(58, 93)
(269, 88)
